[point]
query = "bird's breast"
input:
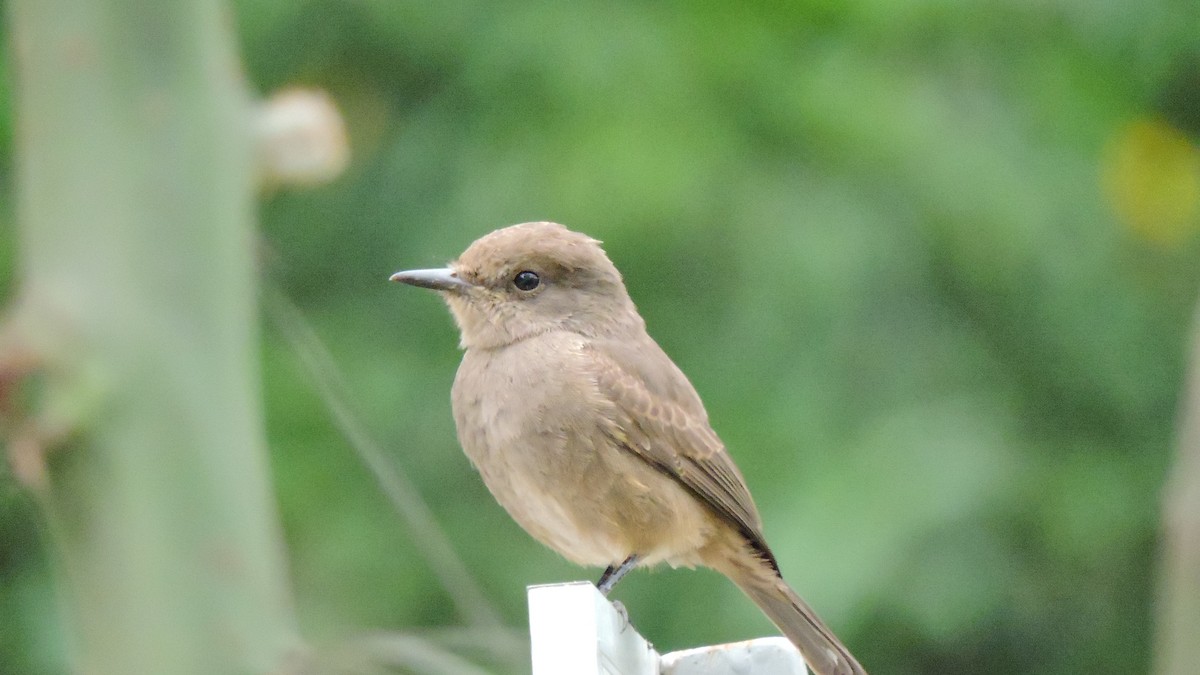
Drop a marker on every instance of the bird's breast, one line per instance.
(532, 420)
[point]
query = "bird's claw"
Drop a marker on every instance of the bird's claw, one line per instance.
(619, 607)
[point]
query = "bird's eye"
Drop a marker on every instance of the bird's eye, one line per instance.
(526, 281)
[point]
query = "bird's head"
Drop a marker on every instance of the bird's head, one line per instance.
(529, 279)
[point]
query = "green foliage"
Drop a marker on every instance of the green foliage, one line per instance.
(877, 236)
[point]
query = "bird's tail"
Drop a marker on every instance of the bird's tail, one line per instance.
(821, 649)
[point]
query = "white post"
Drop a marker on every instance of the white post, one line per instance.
(574, 629)
(769, 655)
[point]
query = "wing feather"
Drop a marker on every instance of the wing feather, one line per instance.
(675, 438)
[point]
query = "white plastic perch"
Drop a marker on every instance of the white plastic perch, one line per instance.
(574, 629)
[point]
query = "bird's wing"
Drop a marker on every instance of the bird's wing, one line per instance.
(677, 441)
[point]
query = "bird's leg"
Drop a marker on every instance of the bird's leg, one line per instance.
(605, 584)
(613, 574)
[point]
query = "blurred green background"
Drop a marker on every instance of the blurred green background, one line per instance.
(931, 265)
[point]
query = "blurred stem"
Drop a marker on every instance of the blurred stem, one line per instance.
(398, 652)
(431, 541)
(135, 183)
(1177, 649)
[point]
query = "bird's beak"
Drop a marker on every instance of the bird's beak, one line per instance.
(444, 279)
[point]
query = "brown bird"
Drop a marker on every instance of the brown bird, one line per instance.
(590, 436)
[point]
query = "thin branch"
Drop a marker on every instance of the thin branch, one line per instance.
(500, 645)
(389, 652)
(431, 540)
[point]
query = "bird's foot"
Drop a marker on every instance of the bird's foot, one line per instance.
(621, 612)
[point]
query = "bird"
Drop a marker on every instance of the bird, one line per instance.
(589, 435)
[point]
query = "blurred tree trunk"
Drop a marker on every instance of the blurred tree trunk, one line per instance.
(1178, 640)
(138, 305)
